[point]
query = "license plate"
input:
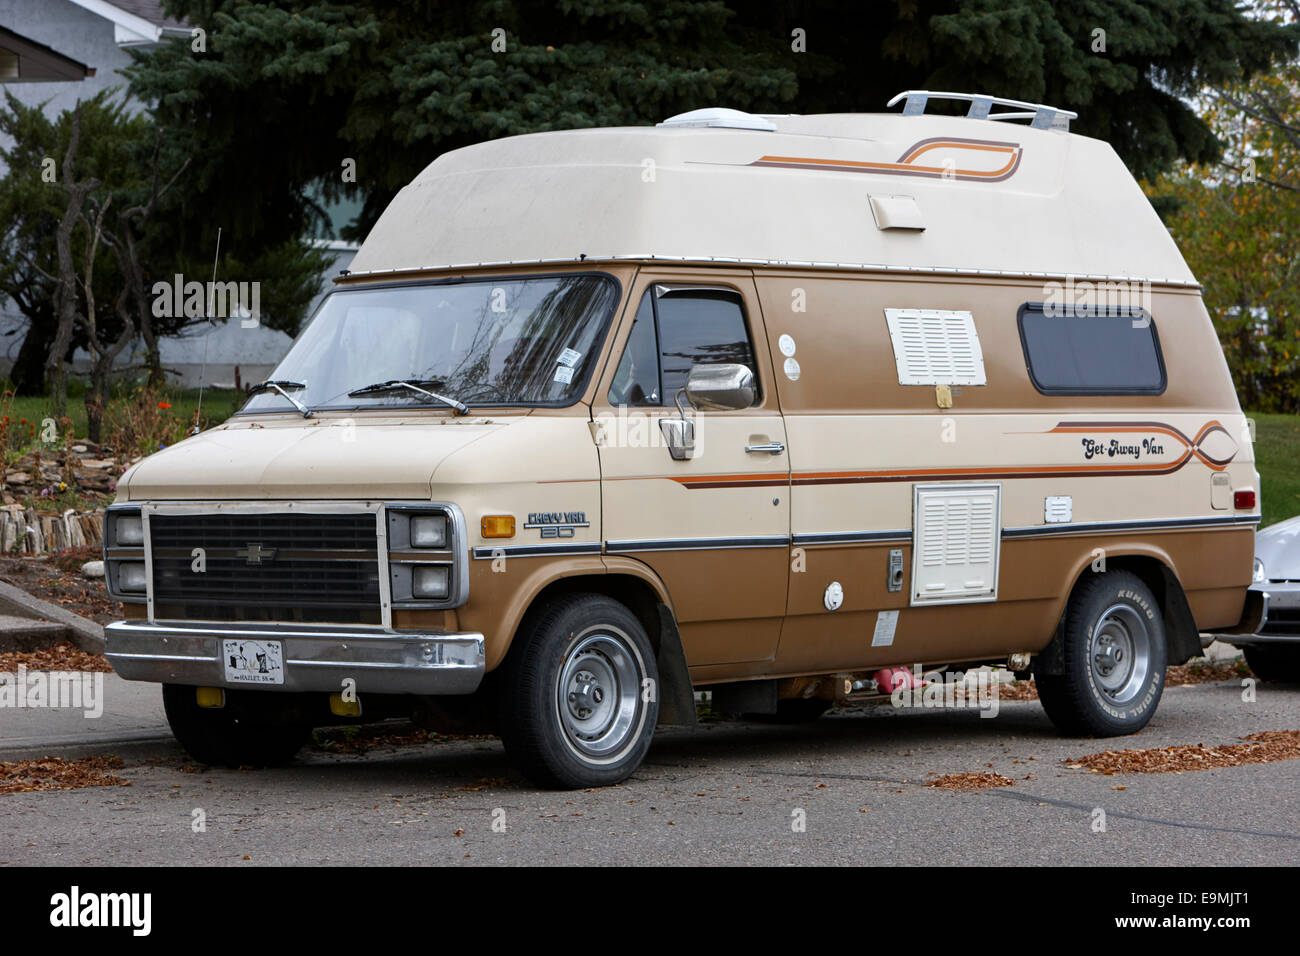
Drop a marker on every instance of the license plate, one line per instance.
(253, 662)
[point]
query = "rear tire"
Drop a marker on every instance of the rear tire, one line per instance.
(573, 701)
(1274, 662)
(221, 737)
(1114, 653)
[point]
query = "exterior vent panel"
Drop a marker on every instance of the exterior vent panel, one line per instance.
(935, 347)
(958, 537)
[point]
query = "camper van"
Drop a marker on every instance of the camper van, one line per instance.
(776, 407)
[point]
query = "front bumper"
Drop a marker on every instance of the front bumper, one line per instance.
(315, 658)
(1271, 616)
(1282, 620)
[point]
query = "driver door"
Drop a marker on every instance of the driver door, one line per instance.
(714, 526)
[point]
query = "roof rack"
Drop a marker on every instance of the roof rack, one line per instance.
(981, 107)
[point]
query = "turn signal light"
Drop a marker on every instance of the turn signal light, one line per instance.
(1243, 499)
(498, 526)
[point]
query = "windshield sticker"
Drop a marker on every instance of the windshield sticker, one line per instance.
(564, 374)
(569, 357)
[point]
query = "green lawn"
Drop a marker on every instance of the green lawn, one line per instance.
(218, 405)
(1277, 457)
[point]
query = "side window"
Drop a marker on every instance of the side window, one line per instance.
(703, 327)
(674, 330)
(637, 380)
(1116, 352)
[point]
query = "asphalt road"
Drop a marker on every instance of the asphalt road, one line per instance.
(725, 793)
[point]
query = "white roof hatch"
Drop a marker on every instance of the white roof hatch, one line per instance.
(719, 117)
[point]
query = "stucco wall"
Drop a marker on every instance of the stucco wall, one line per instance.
(74, 32)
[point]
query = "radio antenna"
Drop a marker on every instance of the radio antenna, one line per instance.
(203, 369)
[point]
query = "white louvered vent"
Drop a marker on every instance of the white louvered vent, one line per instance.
(935, 347)
(958, 532)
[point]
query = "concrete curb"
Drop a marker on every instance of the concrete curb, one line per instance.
(86, 634)
(29, 634)
(129, 745)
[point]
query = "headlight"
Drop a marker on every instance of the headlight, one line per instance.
(430, 581)
(130, 576)
(1259, 570)
(428, 531)
(428, 555)
(130, 530)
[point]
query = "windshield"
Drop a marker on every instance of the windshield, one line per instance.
(529, 341)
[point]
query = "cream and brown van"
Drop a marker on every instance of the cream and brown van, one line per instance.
(766, 405)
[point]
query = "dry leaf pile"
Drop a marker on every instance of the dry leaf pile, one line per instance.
(63, 656)
(970, 781)
(55, 773)
(1264, 747)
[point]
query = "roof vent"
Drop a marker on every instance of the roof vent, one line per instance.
(719, 117)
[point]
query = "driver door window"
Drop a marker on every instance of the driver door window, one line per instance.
(673, 330)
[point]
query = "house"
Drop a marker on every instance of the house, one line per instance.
(56, 52)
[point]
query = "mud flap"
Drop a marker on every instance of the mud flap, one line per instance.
(1182, 639)
(676, 693)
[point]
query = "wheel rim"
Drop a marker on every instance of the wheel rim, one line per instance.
(598, 694)
(1120, 653)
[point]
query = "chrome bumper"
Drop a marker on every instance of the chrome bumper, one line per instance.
(1271, 616)
(315, 658)
(1281, 623)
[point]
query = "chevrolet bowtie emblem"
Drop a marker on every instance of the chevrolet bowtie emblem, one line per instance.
(255, 553)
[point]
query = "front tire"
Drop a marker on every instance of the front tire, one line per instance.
(223, 737)
(579, 695)
(1114, 653)
(1274, 662)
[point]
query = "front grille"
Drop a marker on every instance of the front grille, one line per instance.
(266, 567)
(1283, 621)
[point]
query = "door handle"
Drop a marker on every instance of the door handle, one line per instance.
(771, 447)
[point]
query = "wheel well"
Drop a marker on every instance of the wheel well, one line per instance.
(677, 694)
(633, 593)
(1149, 569)
(1182, 638)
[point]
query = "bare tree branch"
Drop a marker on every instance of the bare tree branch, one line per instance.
(66, 294)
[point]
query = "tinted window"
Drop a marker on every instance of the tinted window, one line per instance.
(1072, 354)
(673, 331)
(707, 328)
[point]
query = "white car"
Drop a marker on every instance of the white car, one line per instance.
(1273, 653)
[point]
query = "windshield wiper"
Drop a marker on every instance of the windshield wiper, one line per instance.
(395, 385)
(279, 385)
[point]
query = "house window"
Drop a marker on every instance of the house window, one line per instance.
(1111, 352)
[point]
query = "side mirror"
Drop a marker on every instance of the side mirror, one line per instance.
(714, 388)
(720, 388)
